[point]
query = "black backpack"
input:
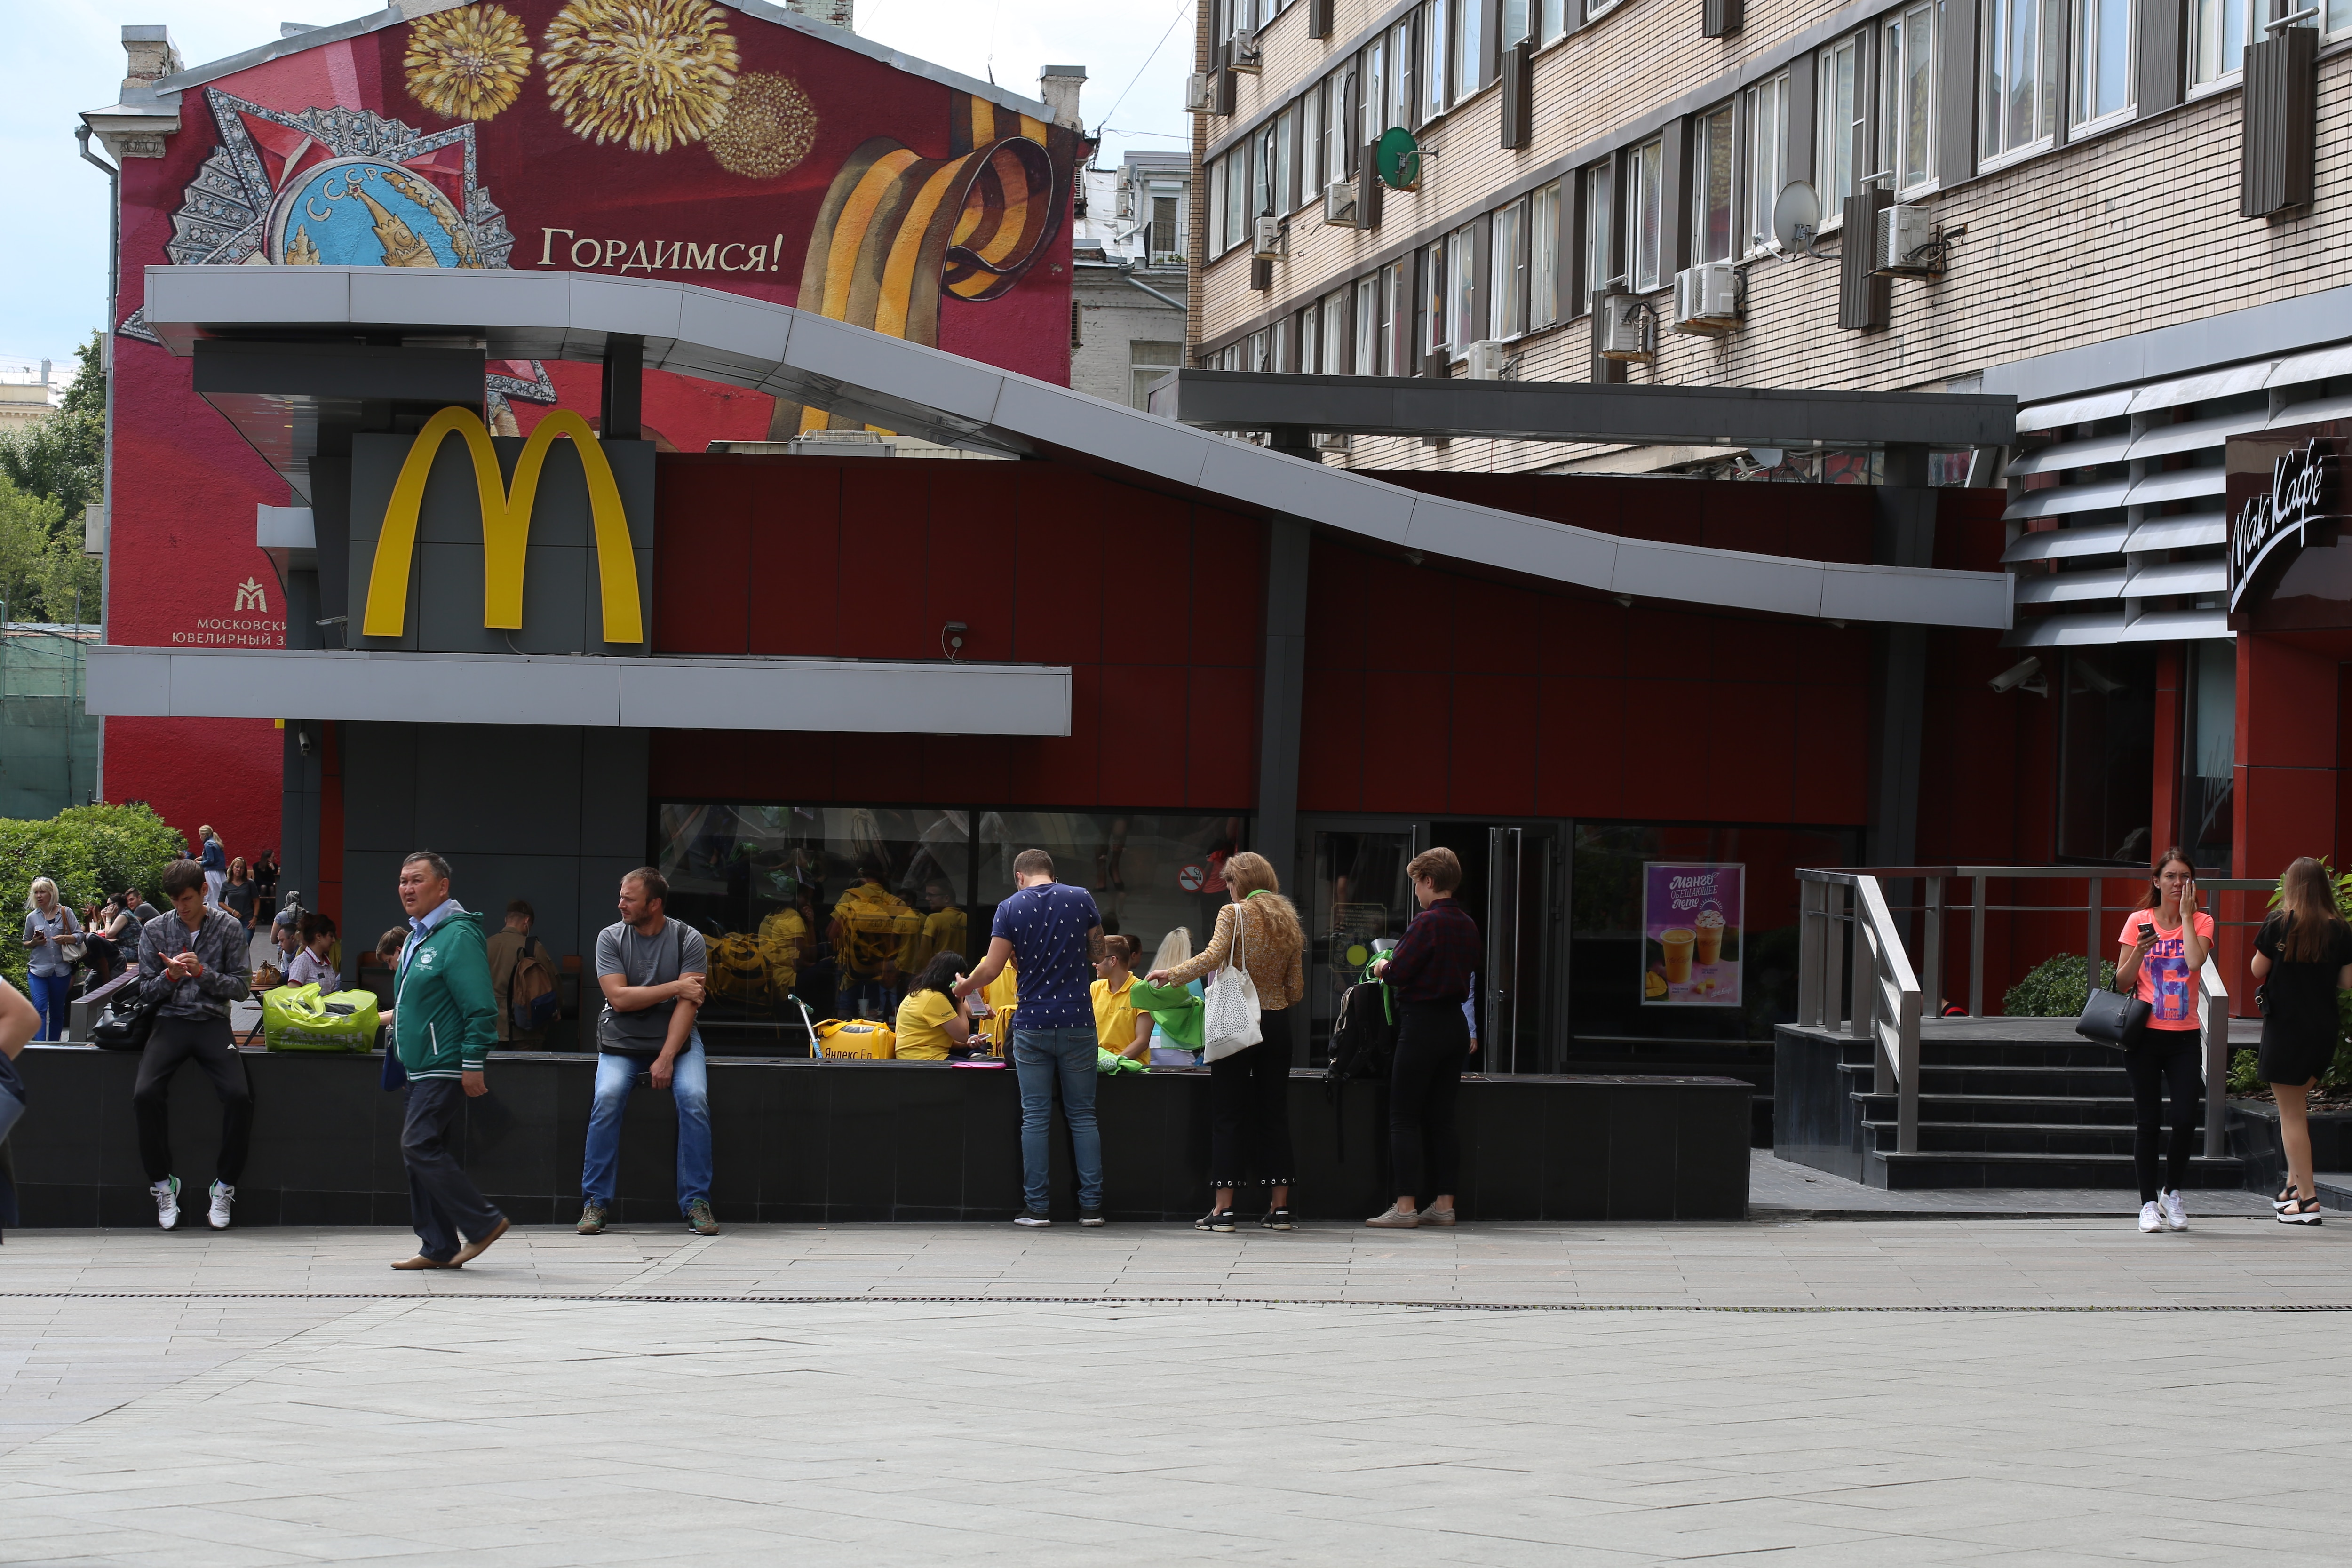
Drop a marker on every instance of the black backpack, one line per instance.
(1363, 1040)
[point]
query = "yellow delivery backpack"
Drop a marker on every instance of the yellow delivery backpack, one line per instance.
(739, 970)
(856, 1040)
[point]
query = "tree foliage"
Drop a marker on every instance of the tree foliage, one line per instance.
(44, 576)
(62, 458)
(90, 852)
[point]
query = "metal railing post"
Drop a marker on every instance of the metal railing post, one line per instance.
(1976, 952)
(1833, 957)
(2091, 942)
(2214, 1005)
(1931, 965)
(1809, 952)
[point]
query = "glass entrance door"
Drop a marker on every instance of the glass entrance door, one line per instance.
(1357, 895)
(1499, 983)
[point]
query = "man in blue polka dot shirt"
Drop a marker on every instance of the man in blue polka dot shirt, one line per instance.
(1054, 933)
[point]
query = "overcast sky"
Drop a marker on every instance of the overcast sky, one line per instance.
(65, 55)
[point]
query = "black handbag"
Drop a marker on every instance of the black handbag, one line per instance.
(2112, 1018)
(127, 1022)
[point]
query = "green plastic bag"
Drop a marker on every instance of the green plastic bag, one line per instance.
(1107, 1064)
(299, 1018)
(1175, 1013)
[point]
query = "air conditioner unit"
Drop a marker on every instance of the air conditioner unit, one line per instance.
(1908, 243)
(1339, 203)
(1266, 240)
(1334, 441)
(1620, 325)
(1486, 358)
(1201, 93)
(1706, 298)
(1246, 54)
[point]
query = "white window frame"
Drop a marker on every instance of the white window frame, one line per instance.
(1645, 177)
(1436, 50)
(1432, 299)
(1838, 134)
(1764, 170)
(1602, 256)
(1402, 81)
(1310, 341)
(1908, 49)
(1462, 316)
(2002, 40)
(1526, 23)
(1396, 312)
(1469, 49)
(1217, 246)
(1286, 158)
(2337, 20)
(1543, 258)
(1334, 307)
(1367, 346)
(1600, 8)
(1551, 21)
(1714, 182)
(1137, 369)
(2204, 73)
(2090, 32)
(1374, 97)
(1506, 271)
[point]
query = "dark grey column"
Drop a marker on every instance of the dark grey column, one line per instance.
(1904, 535)
(1281, 706)
(298, 818)
(624, 365)
(1297, 440)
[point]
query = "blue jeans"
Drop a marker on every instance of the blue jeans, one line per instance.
(50, 992)
(689, 1085)
(857, 991)
(1039, 1055)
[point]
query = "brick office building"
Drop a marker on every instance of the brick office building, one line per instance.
(2119, 214)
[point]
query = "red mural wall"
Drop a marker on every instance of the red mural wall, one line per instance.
(725, 153)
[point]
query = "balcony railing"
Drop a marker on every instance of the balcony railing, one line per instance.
(1883, 1001)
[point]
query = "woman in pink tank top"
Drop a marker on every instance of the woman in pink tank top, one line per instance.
(2164, 945)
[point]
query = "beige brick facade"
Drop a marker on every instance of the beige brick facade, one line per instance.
(2132, 228)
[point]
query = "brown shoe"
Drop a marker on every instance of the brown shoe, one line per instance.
(475, 1248)
(421, 1262)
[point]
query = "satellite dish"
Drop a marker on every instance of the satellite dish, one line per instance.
(1397, 158)
(1796, 218)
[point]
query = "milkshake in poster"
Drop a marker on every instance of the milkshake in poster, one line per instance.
(1690, 930)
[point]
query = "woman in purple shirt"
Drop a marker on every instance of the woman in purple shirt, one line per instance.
(1428, 973)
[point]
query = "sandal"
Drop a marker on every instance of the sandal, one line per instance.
(2301, 1211)
(2286, 1196)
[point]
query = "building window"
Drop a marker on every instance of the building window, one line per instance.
(2208, 739)
(1462, 321)
(1599, 262)
(1400, 98)
(2339, 17)
(1316, 136)
(1910, 98)
(1507, 306)
(1840, 132)
(1368, 325)
(2017, 87)
(1258, 361)
(1375, 81)
(1543, 257)
(1434, 39)
(2106, 755)
(1277, 353)
(1711, 171)
(1396, 325)
(1335, 332)
(1164, 243)
(1310, 343)
(1768, 157)
(2102, 58)
(1262, 199)
(1515, 22)
(1285, 160)
(1469, 47)
(1217, 209)
(1551, 20)
(2217, 40)
(1340, 113)
(1237, 224)
(1646, 220)
(1598, 8)
(1432, 299)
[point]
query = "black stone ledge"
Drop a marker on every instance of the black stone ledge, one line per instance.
(836, 1142)
(1583, 411)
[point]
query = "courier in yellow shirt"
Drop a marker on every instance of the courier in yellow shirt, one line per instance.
(931, 1020)
(1119, 1027)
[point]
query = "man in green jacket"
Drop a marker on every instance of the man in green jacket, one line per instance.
(444, 1019)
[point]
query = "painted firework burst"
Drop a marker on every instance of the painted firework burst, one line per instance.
(467, 64)
(645, 73)
(769, 128)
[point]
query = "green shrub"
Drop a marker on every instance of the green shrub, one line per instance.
(90, 852)
(2054, 989)
(2245, 1077)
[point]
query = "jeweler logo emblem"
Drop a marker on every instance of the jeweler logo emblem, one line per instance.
(250, 596)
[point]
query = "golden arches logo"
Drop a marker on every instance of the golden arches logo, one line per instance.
(506, 525)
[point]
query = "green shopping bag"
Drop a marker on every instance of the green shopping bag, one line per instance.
(1110, 1066)
(299, 1018)
(1175, 1013)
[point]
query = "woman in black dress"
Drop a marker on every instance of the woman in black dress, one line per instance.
(265, 889)
(2303, 956)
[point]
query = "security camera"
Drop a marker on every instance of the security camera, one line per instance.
(2026, 676)
(2097, 678)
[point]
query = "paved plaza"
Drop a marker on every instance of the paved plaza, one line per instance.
(1890, 1391)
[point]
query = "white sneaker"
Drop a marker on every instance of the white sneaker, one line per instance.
(166, 1194)
(2150, 1216)
(223, 1195)
(2175, 1216)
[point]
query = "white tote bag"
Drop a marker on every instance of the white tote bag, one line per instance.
(1229, 1014)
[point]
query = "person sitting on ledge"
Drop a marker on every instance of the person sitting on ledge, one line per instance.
(932, 1023)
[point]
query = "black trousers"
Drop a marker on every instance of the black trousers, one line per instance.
(443, 1202)
(1431, 1048)
(2173, 1058)
(209, 1044)
(1249, 1115)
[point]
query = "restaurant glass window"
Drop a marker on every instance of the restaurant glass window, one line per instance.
(2106, 755)
(1358, 897)
(1543, 257)
(1766, 106)
(1711, 197)
(1646, 224)
(2209, 740)
(1149, 873)
(836, 905)
(1618, 998)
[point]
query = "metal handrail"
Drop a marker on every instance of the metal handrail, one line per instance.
(1823, 915)
(1886, 993)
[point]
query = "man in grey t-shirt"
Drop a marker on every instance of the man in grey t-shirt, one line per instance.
(650, 968)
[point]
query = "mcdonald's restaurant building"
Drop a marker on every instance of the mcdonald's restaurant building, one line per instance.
(432, 525)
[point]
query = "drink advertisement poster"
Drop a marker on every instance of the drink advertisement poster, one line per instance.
(1690, 935)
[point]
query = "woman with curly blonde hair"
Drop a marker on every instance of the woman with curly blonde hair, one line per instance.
(1249, 1122)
